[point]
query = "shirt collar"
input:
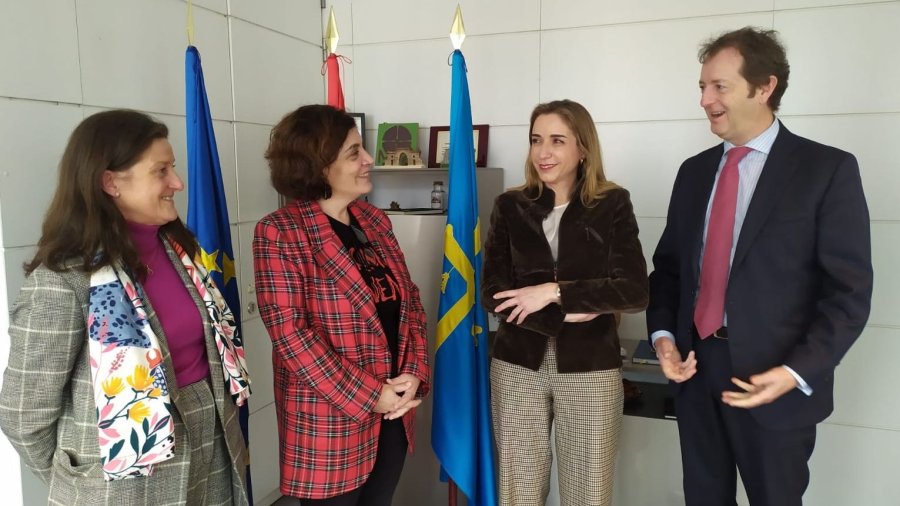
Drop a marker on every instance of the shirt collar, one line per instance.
(762, 142)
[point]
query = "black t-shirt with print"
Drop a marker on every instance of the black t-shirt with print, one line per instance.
(379, 278)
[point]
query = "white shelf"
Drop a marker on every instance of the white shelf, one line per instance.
(413, 188)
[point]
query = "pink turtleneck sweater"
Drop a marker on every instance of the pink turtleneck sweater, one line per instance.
(174, 306)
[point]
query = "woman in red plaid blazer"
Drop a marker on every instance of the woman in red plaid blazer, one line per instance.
(347, 326)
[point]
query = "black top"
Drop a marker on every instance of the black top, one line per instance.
(377, 274)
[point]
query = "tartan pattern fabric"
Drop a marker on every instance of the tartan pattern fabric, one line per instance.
(47, 407)
(586, 409)
(209, 478)
(330, 354)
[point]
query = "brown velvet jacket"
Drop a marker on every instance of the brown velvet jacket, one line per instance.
(600, 269)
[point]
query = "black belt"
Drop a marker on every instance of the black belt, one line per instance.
(720, 333)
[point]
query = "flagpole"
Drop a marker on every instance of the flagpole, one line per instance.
(207, 215)
(451, 500)
(332, 70)
(457, 36)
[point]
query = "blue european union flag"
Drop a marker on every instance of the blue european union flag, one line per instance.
(207, 211)
(461, 420)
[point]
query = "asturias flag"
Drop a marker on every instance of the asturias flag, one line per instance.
(461, 420)
(207, 212)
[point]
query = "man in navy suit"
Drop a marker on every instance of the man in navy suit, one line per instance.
(762, 282)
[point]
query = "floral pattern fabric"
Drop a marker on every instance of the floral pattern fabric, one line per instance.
(134, 412)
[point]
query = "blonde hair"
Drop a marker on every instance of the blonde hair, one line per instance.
(590, 171)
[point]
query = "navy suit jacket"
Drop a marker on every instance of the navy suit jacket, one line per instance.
(800, 285)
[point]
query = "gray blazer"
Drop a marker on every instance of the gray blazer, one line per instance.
(47, 407)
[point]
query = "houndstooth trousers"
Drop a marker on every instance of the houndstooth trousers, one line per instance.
(587, 410)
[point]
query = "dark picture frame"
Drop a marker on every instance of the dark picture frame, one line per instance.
(439, 142)
(360, 118)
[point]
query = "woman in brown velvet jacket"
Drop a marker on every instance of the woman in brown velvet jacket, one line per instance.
(561, 259)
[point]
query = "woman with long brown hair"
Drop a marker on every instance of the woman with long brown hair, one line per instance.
(562, 258)
(124, 366)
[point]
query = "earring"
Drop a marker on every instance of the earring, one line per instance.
(117, 195)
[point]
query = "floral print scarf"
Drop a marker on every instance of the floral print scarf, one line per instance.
(134, 412)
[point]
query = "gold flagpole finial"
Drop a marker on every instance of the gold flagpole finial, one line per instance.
(190, 22)
(458, 30)
(331, 33)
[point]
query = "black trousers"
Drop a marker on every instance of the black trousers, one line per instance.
(717, 440)
(378, 490)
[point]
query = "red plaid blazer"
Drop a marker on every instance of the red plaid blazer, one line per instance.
(330, 354)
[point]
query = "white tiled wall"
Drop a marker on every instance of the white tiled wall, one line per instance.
(576, 13)
(9, 464)
(633, 64)
(863, 38)
(274, 73)
(61, 61)
(34, 136)
(132, 55)
(300, 20)
(39, 58)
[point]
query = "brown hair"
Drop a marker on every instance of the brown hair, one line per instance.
(82, 219)
(763, 55)
(302, 145)
(591, 172)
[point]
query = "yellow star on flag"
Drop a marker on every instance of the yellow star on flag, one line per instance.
(209, 260)
(227, 268)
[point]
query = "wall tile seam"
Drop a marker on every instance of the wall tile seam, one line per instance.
(203, 7)
(253, 300)
(469, 36)
(230, 122)
(232, 128)
(78, 53)
(42, 101)
(698, 119)
(542, 29)
(774, 12)
(860, 426)
(252, 123)
(689, 120)
(832, 114)
(84, 105)
(493, 125)
(653, 21)
(835, 6)
(254, 409)
(887, 326)
(270, 29)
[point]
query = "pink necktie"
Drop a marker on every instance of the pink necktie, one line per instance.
(709, 312)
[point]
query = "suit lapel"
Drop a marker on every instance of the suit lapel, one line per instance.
(156, 326)
(331, 256)
(778, 170)
(697, 204)
(212, 351)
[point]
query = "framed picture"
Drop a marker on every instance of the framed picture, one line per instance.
(439, 146)
(397, 145)
(360, 119)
